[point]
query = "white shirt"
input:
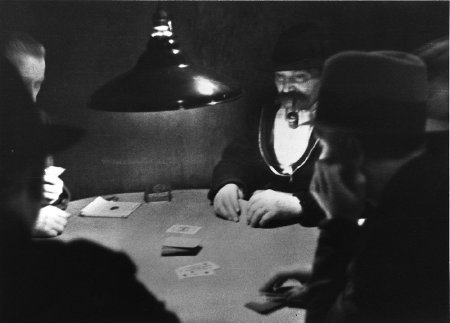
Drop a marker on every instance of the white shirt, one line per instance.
(290, 144)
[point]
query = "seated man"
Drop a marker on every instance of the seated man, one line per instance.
(272, 165)
(53, 281)
(393, 268)
(28, 56)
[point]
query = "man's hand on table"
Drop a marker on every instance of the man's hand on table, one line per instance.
(50, 222)
(295, 295)
(226, 202)
(268, 206)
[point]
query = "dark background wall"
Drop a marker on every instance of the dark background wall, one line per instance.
(89, 42)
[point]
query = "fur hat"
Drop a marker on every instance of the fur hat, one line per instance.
(302, 46)
(381, 92)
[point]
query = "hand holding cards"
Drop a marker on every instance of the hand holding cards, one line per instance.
(269, 302)
(54, 170)
(53, 186)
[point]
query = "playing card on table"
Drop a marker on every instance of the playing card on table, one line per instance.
(204, 268)
(204, 265)
(183, 228)
(103, 208)
(194, 273)
(174, 251)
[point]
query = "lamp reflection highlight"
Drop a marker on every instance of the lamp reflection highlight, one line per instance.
(204, 86)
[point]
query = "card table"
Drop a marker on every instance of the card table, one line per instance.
(246, 255)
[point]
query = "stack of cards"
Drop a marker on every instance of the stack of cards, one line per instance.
(180, 246)
(205, 268)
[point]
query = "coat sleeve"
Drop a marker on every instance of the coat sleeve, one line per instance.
(241, 162)
(395, 267)
(335, 248)
(311, 214)
(401, 272)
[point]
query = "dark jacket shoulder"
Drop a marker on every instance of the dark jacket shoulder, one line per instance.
(78, 281)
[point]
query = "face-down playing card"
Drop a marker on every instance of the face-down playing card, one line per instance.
(180, 246)
(266, 306)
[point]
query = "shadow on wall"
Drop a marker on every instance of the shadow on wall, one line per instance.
(124, 152)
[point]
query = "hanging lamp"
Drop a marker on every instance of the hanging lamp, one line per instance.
(163, 79)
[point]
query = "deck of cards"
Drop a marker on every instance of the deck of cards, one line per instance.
(205, 268)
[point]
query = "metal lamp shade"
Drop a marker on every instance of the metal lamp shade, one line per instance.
(162, 80)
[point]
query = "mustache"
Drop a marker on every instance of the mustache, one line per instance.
(295, 101)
